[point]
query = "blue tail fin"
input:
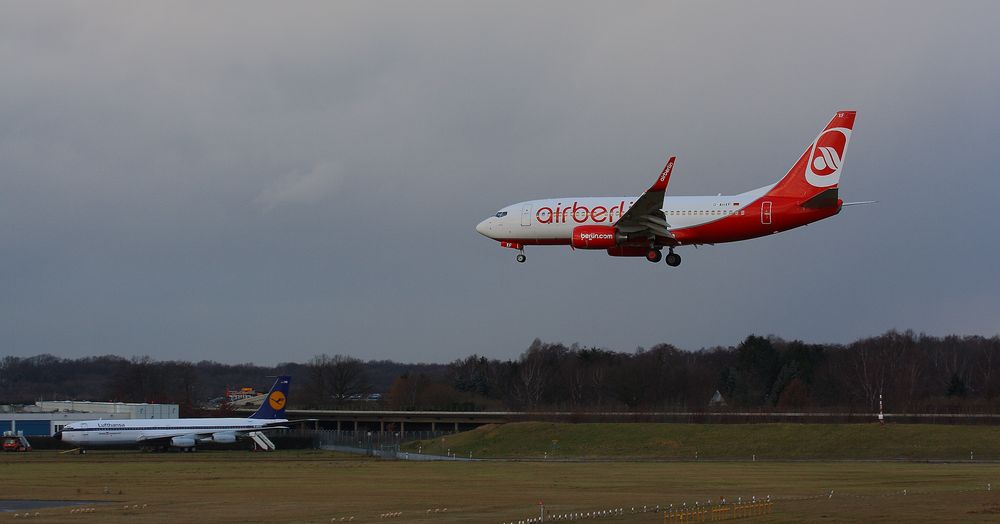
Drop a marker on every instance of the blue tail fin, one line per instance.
(274, 405)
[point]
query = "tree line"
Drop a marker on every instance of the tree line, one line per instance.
(913, 373)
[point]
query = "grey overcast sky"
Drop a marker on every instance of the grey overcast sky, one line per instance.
(264, 182)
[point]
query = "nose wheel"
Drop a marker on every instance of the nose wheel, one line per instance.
(673, 259)
(521, 258)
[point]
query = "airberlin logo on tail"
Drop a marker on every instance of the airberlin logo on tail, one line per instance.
(828, 163)
(827, 156)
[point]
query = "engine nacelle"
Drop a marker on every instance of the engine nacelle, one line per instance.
(628, 251)
(182, 442)
(595, 237)
(224, 438)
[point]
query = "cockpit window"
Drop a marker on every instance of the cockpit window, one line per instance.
(501, 214)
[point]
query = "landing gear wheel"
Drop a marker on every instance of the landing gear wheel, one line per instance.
(521, 258)
(673, 259)
(654, 255)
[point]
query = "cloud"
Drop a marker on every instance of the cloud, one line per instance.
(149, 153)
(302, 188)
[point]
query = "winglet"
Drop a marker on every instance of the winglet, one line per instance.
(661, 183)
(646, 214)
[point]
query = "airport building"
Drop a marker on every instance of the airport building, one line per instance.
(44, 418)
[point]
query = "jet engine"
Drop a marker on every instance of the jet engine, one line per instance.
(596, 237)
(182, 442)
(628, 251)
(224, 438)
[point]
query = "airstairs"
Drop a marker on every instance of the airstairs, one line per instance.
(261, 442)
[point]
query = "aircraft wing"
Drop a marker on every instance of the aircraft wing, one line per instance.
(268, 427)
(647, 212)
(197, 435)
(164, 439)
(276, 423)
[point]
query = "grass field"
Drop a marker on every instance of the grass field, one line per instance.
(722, 441)
(314, 486)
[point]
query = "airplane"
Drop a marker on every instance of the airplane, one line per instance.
(183, 433)
(641, 226)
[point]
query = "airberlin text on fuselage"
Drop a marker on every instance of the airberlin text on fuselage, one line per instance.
(597, 236)
(579, 214)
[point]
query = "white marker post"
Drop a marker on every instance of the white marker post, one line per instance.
(881, 417)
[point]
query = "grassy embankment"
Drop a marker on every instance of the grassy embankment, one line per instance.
(721, 441)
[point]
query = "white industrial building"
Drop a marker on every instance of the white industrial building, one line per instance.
(44, 418)
(130, 409)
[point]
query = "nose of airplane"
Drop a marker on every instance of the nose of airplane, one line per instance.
(484, 228)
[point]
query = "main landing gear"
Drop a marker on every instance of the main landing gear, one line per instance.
(655, 255)
(673, 259)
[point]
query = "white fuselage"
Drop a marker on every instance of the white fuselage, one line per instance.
(118, 432)
(555, 218)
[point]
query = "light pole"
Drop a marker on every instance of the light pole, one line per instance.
(881, 416)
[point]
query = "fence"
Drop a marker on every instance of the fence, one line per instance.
(717, 512)
(382, 444)
(671, 515)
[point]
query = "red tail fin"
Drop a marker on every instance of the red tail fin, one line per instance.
(818, 169)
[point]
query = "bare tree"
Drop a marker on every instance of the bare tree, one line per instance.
(336, 378)
(530, 382)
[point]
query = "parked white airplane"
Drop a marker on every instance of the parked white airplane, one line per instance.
(182, 433)
(640, 226)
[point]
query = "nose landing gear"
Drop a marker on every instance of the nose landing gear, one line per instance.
(520, 257)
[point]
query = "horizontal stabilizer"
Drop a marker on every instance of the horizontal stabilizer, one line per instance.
(827, 198)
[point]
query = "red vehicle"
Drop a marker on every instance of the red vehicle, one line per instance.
(15, 443)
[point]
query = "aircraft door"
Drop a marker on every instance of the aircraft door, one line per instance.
(526, 216)
(765, 212)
